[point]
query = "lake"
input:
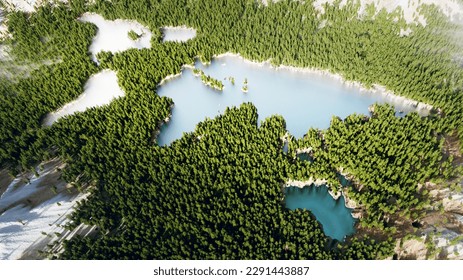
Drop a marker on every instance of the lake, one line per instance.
(99, 90)
(304, 99)
(112, 35)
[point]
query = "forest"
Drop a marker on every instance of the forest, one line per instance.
(216, 193)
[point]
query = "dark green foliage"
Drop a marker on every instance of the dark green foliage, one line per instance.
(365, 248)
(133, 35)
(208, 80)
(49, 34)
(385, 156)
(216, 193)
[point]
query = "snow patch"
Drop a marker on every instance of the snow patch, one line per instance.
(451, 8)
(20, 226)
(3, 27)
(28, 6)
(30, 212)
(113, 35)
(459, 218)
(99, 90)
(178, 33)
(451, 242)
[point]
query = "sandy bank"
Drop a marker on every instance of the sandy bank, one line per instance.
(320, 182)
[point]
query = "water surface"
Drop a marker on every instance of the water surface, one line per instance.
(335, 217)
(304, 99)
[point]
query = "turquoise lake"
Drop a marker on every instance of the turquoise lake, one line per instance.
(304, 99)
(335, 217)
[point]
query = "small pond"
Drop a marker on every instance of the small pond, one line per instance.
(335, 217)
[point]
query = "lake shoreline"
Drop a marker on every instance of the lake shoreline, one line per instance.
(377, 89)
(294, 92)
(319, 183)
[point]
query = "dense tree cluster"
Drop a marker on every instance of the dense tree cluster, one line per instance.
(216, 193)
(48, 35)
(385, 156)
(208, 80)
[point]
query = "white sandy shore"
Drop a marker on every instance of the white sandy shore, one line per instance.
(113, 35)
(304, 150)
(317, 183)
(99, 90)
(178, 33)
(350, 204)
(174, 76)
(168, 78)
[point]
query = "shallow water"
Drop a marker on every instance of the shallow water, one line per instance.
(304, 99)
(335, 217)
(178, 34)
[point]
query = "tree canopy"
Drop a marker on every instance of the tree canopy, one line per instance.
(216, 192)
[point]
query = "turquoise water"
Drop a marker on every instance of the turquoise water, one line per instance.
(304, 99)
(335, 217)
